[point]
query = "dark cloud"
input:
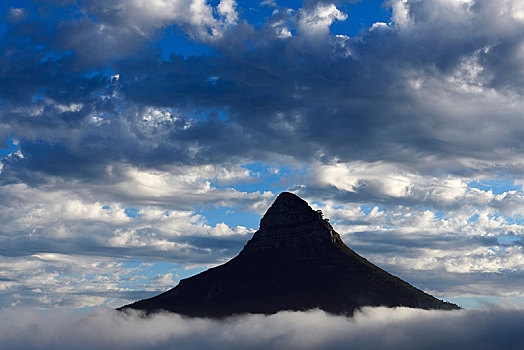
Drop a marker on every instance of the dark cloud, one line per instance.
(184, 250)
(405, 245)
(373, 328)
(275, 97)
(478, 286)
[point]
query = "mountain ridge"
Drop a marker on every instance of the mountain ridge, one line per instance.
(295, 261)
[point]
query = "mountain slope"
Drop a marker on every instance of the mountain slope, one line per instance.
(295, 261)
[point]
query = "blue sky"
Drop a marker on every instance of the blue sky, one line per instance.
(141, 142)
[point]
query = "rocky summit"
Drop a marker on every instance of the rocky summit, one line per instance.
(295, 261)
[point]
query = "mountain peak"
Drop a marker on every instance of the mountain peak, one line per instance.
(288, 209)
(289, 199)
(290, 226)
(295, 261)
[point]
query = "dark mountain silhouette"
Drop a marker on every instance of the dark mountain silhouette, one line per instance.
(295, 261)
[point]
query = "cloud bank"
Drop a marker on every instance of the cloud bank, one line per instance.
(426, 90)
(118, 152)
(372, 328)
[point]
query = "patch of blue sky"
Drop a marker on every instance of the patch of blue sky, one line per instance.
(208, 114)
(475, 302)
(439, 214)
(55, 56)
(91, 73)
(474, 218)
(132, 212)
(6, 5)
(481, 302)
(174, 42)
(161, 268)
(256, 13)
(12, 146)
(513, 220)
(264, 177)
(188, 272)
(366, 209)
(131, 264)
(39, 96)
(222, 114)
(508, 240)
(361, 16)
(142, 271)
(229, 216)
(497, 186)
(317, 204)
(146, 271)
(516, 219)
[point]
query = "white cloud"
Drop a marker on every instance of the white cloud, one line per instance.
(414, 222)
(63, 213)
(51, 280)
(314, 23)
(164, 281)
(281, 29)
(389, 180)
(400, 12)
(399, 184)
(373, 328)
(181, 186)
(195, 15)
(227, 8)
(379, 26)
(50, 232)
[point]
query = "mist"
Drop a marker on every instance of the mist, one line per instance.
(370, 328)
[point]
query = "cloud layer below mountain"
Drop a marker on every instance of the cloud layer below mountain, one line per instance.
(372, 328)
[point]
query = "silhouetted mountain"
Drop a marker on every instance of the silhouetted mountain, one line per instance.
(295, 261)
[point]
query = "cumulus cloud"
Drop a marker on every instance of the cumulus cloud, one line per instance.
(315, 23)
(196, 15)
(72, 222)
(139, 20)
(393, 184)
(428, 94)
(372, 328)
(392, 129)
(69, 244)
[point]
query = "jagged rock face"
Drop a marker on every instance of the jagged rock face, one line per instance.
(290, 224)
(295, 261)
(287, 210)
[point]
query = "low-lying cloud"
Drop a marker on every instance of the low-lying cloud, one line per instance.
(371, 328)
